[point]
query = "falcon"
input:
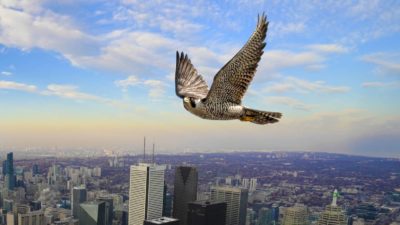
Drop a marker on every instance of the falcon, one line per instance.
(223, 100)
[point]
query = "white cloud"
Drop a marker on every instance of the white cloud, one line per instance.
(10, 85)
(291, 102)
(156, 87)
(6, 73)
(275, 60)
(289, 84)
(26, 30)
(128, 82)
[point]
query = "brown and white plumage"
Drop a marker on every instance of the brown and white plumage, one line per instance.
(223, 100)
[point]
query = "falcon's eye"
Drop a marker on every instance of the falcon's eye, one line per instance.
(192, 103)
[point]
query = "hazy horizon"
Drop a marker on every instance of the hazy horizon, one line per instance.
(100, 74)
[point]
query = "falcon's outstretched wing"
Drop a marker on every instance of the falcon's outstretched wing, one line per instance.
(232, 81)
(188, 83)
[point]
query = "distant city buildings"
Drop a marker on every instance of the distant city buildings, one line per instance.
(50, 191)
(185, 191)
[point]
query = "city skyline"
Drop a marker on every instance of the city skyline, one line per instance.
(99, 74)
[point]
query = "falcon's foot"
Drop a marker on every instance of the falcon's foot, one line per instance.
(247, 118)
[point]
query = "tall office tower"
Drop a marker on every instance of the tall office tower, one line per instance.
(185, 191)
(162, 220)
(31, 218)
(333, 214)
(206, 213)
(236, 199)
(296, 215)
(10, 177)
(253, 184)
(93, 213)
(109, 208)
(79, 195)
(146, 190)
(167, 202)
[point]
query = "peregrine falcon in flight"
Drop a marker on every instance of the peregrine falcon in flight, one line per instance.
(223, 100)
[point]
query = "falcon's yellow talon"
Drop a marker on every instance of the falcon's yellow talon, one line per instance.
(247, 119)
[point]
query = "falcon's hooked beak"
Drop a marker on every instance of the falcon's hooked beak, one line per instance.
(186, 102)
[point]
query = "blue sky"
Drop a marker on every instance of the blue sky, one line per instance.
(100, 74)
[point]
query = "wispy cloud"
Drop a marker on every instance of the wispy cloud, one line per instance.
(328, 48)
(10, 85)
(62, 91)
(288, 101)
(387, 63)
(292, 84)
(378, 84)
(6, 73)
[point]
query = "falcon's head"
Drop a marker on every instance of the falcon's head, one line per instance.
(189, 103)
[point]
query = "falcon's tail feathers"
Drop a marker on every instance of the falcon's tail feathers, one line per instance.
(260, 117)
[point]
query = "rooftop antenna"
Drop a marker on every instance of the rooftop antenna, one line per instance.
(144, 149)
(153, 152)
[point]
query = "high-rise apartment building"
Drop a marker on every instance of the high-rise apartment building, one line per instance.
(296, 215)
(185, 191)
(236, 199)
(206, 213)
(146, 189)
(333, 214)
(78, 196)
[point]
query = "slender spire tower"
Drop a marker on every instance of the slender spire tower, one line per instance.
(153, 153)
(144, 149)
(335, 196)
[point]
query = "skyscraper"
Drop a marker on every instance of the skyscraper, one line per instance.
(93, 213)
(333, 214)
(146, 188)
(10, 177)
(296, 215)
(185, 191)
(109, 208)
(79, 195)
(236, 199)
(206, 213)
(167, 202)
